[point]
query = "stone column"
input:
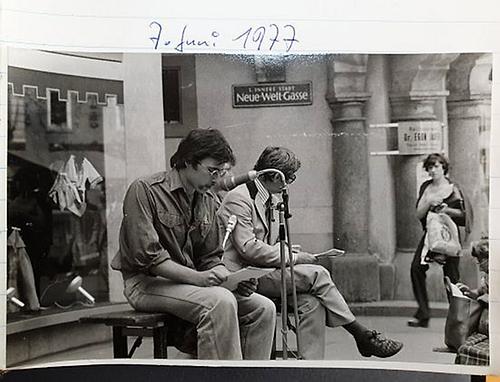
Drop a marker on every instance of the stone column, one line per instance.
(418, 87)
(417, 94)
(346, 97)
(408, 229)
(469, 110)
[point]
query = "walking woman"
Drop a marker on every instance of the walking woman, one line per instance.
(440, 195)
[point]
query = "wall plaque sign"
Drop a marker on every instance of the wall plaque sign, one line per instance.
(420, 137)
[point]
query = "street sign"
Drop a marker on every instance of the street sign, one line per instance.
(261, 95)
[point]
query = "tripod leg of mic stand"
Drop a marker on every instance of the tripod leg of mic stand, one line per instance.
(294, 291)
(284, 313)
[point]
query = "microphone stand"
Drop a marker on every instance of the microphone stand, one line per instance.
(284, 234)
(284, 313)
(285, 211)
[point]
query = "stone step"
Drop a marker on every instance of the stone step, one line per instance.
(401, 308)
(356, 276)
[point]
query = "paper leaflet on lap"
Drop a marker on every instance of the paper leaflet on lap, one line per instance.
(243, 275)
(454, 289)
(333, 252)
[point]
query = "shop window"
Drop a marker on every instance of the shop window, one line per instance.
(180, 113)
(16, 122)
(57, 112)
(171, 95)
(57, 198)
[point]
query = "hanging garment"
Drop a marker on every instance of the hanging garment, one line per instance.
(79, 177)
(20, 271)
(69, 188)
(64, 192)
(86, 240)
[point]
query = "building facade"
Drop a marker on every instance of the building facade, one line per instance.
(356, 190)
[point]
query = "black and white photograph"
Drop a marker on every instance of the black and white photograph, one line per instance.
(319, 207)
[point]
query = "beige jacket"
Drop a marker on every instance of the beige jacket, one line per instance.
(248, 242)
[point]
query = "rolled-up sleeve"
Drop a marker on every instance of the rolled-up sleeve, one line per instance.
(140, 247)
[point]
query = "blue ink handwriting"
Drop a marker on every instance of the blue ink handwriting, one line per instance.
(260, 38)
(256, 38)
(184, 41)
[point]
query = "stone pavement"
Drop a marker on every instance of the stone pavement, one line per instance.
(418, 342)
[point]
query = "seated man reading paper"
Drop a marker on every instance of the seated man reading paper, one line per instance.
(170, 254)
(252, 243)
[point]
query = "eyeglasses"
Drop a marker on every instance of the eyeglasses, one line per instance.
(214, 171)
(290, 179)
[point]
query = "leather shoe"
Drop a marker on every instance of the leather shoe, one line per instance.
(418, 323)
(373, 343)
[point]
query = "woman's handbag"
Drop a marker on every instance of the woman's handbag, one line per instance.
(456, 328)
(442, 234)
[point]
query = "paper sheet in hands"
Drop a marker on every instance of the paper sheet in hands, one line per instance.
(330, 253)
(244, 274)
(454, 289)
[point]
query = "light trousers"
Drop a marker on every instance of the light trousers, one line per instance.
(318, 301)
(229, 326)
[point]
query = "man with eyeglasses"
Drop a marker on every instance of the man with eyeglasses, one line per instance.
(254, 242)
(170, 255)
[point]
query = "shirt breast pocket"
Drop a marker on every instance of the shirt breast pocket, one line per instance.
(169, 219)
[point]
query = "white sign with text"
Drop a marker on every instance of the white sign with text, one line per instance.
(420, 137)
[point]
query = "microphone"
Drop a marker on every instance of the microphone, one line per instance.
(227, 183)
(231, 223)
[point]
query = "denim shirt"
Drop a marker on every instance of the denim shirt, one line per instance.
(161, 223)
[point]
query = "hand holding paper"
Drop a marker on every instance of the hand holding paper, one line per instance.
(244, 274)
(467, 292)
(455, 289)
(334, 252)
(247, 287)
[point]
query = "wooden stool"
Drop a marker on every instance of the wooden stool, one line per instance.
(137, 324)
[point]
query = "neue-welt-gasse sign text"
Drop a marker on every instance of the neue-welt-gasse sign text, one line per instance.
(283, 94)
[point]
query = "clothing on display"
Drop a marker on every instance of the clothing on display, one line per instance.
(20, 272)
(68, 190)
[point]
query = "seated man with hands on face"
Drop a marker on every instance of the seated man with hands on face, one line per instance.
(253, 243)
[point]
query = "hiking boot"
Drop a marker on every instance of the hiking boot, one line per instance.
(373, 343)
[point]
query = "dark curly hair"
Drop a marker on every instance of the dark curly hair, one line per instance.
(434, 158)
(480, 249)
(279, 158)
(200, 144)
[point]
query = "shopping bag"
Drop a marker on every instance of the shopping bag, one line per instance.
(456, 328)
(442, 234)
